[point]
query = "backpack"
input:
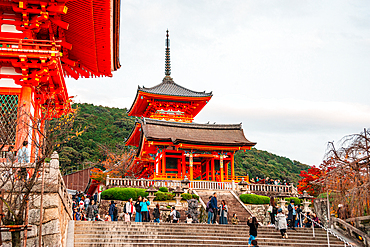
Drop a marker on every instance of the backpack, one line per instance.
(124, 209)
(115, 211)
(207, 208)
(178, 214)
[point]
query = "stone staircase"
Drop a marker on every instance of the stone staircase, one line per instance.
(232, 203)
(120, 233)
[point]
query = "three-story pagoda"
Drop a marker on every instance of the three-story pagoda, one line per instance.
(170, 145)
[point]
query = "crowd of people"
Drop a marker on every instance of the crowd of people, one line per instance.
(269, 181)
(294, 219)
(85, 207)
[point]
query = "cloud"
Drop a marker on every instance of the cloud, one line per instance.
(295, 73)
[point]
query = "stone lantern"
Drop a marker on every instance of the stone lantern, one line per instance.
(185, 184)
(282, 203)
(151, 196)
(243, 185)
(178, 191)
(306, 202)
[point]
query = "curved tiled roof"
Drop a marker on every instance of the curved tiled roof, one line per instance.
(209, 134)
(169, 87)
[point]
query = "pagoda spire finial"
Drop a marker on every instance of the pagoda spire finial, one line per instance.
(167, 59)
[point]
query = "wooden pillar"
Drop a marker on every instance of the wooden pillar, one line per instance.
(227, 171)
(178, 167)
(183, 164)
(232, 167)
(222, 167)
(163, 162)
(34, 133)
(213, 169)
(191, 166)
(23, 116)
(207, 170)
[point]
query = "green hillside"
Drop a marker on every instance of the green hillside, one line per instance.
(264, 164)
(110, 126)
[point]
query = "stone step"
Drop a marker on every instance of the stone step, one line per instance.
(190, 228)
(180, 242)
(87, 244)
(165, 234)
(170, 231)
(183, 231)
(244, 237)
(233, 204)
(172, 225)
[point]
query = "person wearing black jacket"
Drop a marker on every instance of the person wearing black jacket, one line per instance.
(214, 207)
(291, 215)
(138, 217)
(298, 219)
(156, 213)
(253, 226)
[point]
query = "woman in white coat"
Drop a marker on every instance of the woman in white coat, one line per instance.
(129, 210)
(281, 223)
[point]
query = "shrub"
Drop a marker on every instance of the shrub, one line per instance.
(123, 194)
(186, 196)
(160, 196)
(142, 193)
(254, 199)
(170, 196)
(163, 189)
(297, 201)
(194, 196)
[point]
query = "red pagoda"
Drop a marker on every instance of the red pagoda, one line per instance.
(42, 42)
(170, 146)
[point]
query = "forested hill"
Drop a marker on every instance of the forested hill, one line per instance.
(110, 126)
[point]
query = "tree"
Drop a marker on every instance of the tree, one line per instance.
(348, 171)
(20, 179)
(116, 165)
(309, 181)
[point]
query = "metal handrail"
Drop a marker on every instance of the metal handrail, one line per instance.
(328, 230)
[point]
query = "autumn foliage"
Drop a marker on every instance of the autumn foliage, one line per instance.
(309, 181)
(116, 164)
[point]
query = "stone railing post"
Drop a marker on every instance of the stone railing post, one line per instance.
(54, 166)
(107, 181)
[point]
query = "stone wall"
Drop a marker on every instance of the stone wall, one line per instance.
(56, 211)
(260, 211)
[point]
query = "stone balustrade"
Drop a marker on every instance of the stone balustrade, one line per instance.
(141, 183)
(202, 185)
(349, 230)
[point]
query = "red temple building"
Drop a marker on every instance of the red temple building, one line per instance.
(170, 145)
(41, 43)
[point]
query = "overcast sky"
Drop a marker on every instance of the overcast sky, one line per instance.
(295, 73)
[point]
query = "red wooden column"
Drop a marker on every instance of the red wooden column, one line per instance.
(207, 170)
(191, 166)
(34, 133)
(163, 162)
(213, 169)
(23, 116)
(227, 171)
(232, 166)
(183, 164)
(222, 167)
(178, 167)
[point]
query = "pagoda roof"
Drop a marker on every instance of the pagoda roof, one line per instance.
(192, 133)
(167, 90)
(169, 87)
